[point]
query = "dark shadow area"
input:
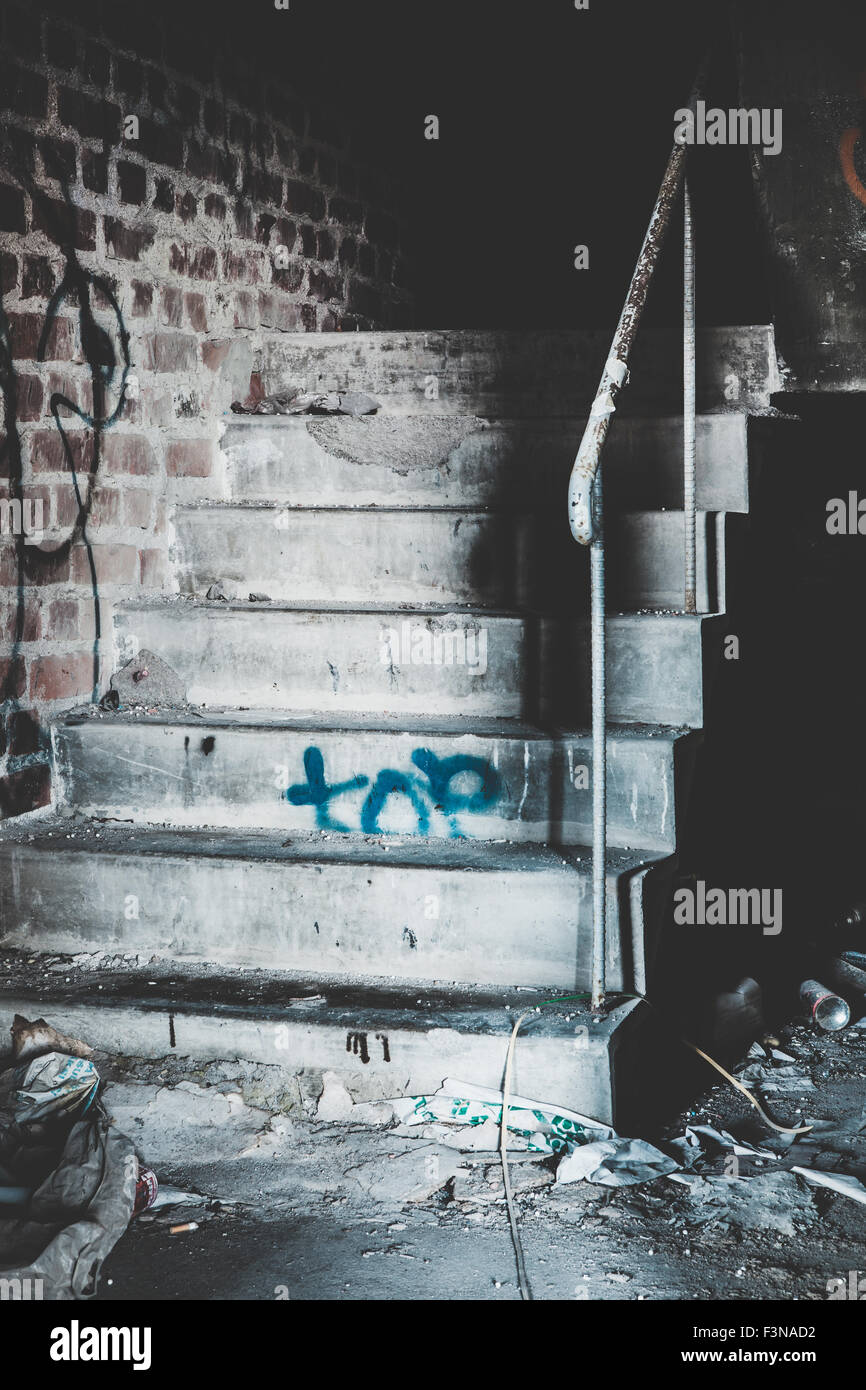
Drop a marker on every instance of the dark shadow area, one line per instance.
(780, 792)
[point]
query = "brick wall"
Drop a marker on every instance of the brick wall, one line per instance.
(140, 283)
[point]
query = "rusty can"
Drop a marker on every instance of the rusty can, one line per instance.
(146, 1189)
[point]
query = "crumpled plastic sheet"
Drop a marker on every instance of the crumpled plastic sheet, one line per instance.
(615, 1163)
(458, 1108)
(82, 1173)
(469, 1117)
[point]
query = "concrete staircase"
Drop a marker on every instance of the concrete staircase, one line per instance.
(384, 790)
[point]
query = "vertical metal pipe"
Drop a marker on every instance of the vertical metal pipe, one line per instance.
(599, 747)
(689, 519)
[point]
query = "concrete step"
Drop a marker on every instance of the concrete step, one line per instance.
(445, 910)
(394, 556)
(503, 374)
(504, 782)
(659, 667)
(646, 559)
(354, 659)
(378, 1041)
(387, 661)
(467, 461)
(483, 559)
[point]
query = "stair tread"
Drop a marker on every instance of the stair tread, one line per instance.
(188, 987)
(479, 726)
(59, 836)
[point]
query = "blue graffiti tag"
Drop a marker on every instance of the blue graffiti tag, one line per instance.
(389, 783)
(436, 786)
(316, 792)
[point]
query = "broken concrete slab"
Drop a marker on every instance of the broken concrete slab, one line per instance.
(148, 680)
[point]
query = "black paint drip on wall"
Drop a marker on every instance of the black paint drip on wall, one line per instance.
(109, 363)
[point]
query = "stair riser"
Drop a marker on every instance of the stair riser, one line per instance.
(397, 922)
(523, 375)
(260, 658)
(360, 556)
(521, 790)
(441, 557)
(657, 669)
(457, 462)
(378, 1052)
(646, 560)
(379, 662)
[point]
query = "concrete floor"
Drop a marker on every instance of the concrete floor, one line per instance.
(294, 1224)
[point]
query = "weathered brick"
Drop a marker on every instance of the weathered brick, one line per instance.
(12, 212)
(64, 223)
(13, 678)
(127, 243)
(154, 569)
(203, 263)
(105, 507)
(24, 791)
(29, 397)
(115, 564)
(171, 352)
(142, 299)
(308, 240)
(132, 182)
(60, 677)
(196, 311)
(264, 187)
(187, 208)
(8, 272)
(244, 219)
(26, 332)
(25, 734)
(162, 144)
(277, 312)
(171, 307)
(215, 206)
(345, 211)
(94, 171)
(37, 277)
(241, 265)
(163, 197)
(58, 158)
(326, 248)
(137, 508)
(128, 453)
(301, 198)
(291, 278)
(22, 622)
(348, 251)
(322, 286)
(189, 458)
(88, 115)
(48, 450)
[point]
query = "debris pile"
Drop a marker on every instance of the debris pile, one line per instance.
(297, 402)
